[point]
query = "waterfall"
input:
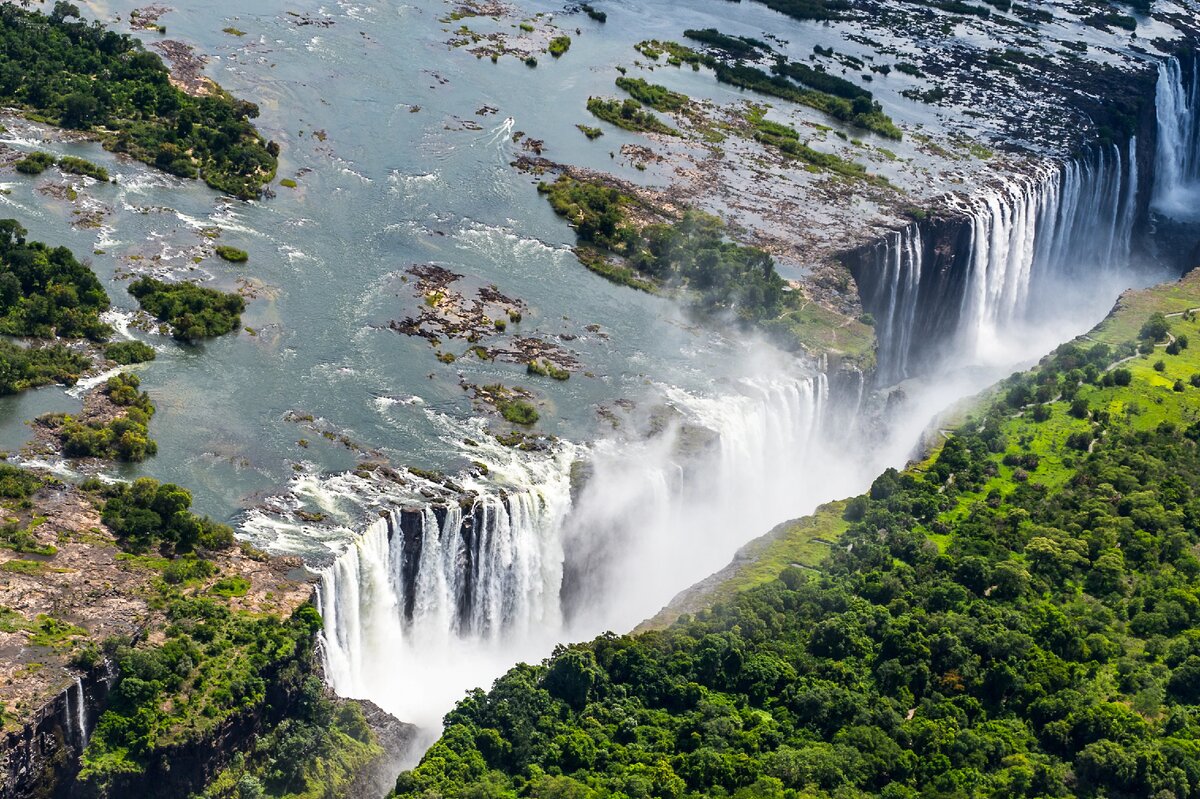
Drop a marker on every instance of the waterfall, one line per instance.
(1177, 160)
(1029, 238)
(435, 597)
(899, 281)
(80, 711)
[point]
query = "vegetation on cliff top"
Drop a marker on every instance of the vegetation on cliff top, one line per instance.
(1014, 617)
(82, 76)
(694, 256)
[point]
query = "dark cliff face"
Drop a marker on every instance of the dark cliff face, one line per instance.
(937, 299)
(930, 298)
(42, 759)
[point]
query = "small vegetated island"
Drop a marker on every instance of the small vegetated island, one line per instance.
(193, 312)
(80, 75)
(1013, 616)
(45, 294)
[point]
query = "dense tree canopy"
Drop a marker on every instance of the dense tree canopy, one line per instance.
(989, 626)
(81, 75)
(45, 292)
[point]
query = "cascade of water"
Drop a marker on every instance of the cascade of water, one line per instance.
(81, 711)
(1031, 237)
(427, 595)
(1177, 159)
(899, 281)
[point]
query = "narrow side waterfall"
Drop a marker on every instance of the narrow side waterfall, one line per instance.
(1177, 161)
(959, 293)
(432, 597)
(81, 711)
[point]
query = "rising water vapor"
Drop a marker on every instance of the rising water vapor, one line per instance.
(440, 595)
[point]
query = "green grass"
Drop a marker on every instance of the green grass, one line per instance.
(31, 568)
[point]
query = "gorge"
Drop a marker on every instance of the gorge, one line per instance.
(466, 450)
(988, 279)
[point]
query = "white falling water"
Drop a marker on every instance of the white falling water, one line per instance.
(429, 602)
(900, 283)
(1037, 239)
(80, 711)
(1039, 243)
(1177, 161)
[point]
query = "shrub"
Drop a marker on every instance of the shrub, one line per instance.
(1159, 366)
(232, 254)
(80, 166)
(35, 163)
(127, 352)
(559, 45)
(192, 311)
(145, 513)
(517, 411)
(1155, 328)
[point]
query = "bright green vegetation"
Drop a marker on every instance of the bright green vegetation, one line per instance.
(20, 538)
(735, 46)
(35, 163)
(125, 438)
(82, 76)
(517, 411)
(17, 483)
(56, 633)
(215, 664)
(590, 132)
(45, 292)
(30, 568)
(231, 254)
(288, 183)
(127, 352)
(23, 368)
(694, 257)
(787, 140)
(315, 753)
(232, 31)
(192, 311)
(146, 514)
(81, 166)
(1014, 617)
(861, 111)
(628, 115)
(657, 97)
(559, 45)
(540, 366)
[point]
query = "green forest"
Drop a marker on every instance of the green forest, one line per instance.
(1015, 616)
(82, 76)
